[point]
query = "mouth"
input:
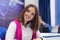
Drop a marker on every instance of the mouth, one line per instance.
(27, 17)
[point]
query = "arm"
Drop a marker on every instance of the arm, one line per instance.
(39, 36)
(11, 31)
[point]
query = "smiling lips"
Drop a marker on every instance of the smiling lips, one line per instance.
(27, 17)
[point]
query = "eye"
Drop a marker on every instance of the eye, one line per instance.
(33, 14)
(28, 11)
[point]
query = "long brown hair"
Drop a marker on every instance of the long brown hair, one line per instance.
(34, 22)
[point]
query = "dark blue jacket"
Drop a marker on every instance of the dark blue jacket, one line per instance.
(45, 28)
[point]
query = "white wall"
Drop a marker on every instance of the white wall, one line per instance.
(35, 2)
(53, 23)
(52, 6)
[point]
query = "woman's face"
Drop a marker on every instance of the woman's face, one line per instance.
(29, 14)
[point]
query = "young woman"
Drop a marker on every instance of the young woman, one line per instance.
(25, 26)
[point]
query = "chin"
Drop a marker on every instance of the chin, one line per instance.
(27, 20)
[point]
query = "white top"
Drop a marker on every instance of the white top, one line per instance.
(26, 32)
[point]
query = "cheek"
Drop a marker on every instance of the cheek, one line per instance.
(25, 14)
(32, 17)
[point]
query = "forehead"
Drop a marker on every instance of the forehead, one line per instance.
(32, 9)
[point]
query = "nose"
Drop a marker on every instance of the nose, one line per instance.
(29, 14)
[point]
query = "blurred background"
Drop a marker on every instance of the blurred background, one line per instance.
(48, 10)
(9, 9)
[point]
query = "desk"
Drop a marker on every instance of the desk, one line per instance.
(50, 36)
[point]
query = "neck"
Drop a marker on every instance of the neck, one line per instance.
(25, 22)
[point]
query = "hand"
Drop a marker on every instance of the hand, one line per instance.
(37, 39)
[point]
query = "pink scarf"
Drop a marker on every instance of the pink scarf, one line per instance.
(18, 34)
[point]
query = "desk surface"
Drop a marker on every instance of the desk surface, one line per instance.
(50, 36)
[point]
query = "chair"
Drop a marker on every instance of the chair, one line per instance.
(59, 29)
(2, 33)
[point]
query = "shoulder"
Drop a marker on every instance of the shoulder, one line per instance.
(12, 23)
